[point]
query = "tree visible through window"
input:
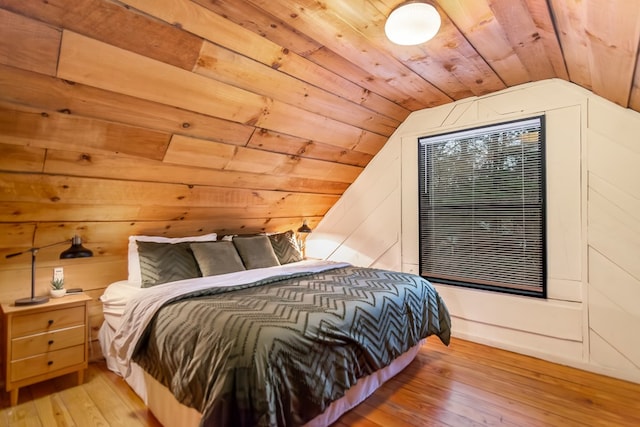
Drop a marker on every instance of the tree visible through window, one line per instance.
(482, 208)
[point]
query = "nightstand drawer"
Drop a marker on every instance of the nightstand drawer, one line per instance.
(46, 363)
(27, 324)
(33, 345)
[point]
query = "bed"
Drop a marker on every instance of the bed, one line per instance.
(276, 341)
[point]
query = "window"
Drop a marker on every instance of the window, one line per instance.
(482, 208)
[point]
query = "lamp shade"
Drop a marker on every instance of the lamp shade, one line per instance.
(304, 228)
(412, 23)
(76, 250)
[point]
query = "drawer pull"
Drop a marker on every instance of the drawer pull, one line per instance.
(50, 362)
(50, 342)
(50, 322)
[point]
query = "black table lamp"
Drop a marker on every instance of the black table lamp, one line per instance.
(304, 228)
(75, 251)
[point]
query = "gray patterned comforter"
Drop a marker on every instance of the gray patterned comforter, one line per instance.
(279, 350)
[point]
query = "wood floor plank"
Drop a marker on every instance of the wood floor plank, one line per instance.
(550, 402)
(25, 413)
(51, 409)
(605, 395)
(459, 409)
(465, 384)
(83, 408)
(118, 387)
(114, 409)
(539, 367)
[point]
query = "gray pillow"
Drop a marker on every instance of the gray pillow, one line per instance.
(286, 247)
(166, 262)
(256, 251)
(217, 257)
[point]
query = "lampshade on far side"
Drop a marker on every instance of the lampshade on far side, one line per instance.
(76, 250)
(304, 228)
(412, 23)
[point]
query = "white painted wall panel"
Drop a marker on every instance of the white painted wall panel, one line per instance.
(462, 114)
(409, 205)
(614, 238)
(603, 188)
(564, 290)
(614, 233)
(410, 268)
(614, 325)
(391, 259)
(418, 121)
(529, 99)
(618, 124)
(362, 199)
(373, 237)
(563, 180)
(614, 162)
(609, 361)
(566, 351)
(558, 319)
(593, 227)
(619, 286)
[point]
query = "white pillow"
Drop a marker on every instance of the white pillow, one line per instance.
(135, 276)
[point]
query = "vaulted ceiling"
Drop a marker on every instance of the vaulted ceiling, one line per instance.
(184, 116)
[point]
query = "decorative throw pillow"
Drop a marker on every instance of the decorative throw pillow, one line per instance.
(256, 251)
(286, 247)
(134, 259)
(166, 262)
(217, 257)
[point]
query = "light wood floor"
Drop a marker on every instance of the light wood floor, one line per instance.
(465, 384)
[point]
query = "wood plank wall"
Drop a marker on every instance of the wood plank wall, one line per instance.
(114, 123)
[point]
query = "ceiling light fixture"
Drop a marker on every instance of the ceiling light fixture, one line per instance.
(412, 23)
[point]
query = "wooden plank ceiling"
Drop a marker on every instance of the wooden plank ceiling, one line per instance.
(180, 117)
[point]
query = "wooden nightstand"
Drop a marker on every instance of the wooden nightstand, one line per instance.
(45, 341)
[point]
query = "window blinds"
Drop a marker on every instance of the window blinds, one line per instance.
(481, 207)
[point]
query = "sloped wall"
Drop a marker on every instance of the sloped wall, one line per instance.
(593, 227)
(613, 225)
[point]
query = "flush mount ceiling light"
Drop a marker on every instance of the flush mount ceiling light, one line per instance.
(412, 23)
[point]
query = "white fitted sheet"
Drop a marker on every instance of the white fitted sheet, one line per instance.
(114, 300)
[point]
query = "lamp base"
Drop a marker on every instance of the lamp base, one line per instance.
(32, 301)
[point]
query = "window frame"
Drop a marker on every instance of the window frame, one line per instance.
(540, 290)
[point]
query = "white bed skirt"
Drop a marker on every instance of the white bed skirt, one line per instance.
(170, 412)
